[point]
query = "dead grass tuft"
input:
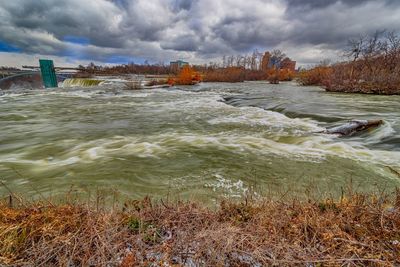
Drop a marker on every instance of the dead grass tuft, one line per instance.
(355, 230)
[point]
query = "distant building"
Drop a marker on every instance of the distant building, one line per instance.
(268, 61)
(289, 64)
(265, 61)
(175, 66)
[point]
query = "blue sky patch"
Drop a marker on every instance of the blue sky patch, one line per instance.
(76, 39)
(119, 59)
(6, 47)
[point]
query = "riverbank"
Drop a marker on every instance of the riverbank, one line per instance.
(372, 67)
(355, 229)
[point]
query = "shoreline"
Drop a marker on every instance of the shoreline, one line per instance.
(360, 92)
(88, 82)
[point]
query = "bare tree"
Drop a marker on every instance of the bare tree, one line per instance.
(224, 61)
(373, 65)
(253, 60)
(277, 56)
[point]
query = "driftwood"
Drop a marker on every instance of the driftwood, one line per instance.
(353, 127)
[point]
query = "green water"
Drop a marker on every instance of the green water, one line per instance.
(201, 142)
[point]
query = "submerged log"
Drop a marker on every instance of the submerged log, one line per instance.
(353, 127)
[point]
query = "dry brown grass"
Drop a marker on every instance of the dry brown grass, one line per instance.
(356, 230)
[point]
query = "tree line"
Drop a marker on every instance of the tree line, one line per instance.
(372, 65)
(248, 67)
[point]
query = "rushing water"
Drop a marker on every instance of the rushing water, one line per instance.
(203, 141)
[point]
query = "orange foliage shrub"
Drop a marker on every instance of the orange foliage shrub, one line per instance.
(197, 77)
(273, 75)
(277, 75)
(285, 75)
(319, 75)
(171, 81)
(230, 74)
(187, 76)
(255, 75)
(240, 74)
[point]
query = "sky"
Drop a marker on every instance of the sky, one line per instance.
(76, 32)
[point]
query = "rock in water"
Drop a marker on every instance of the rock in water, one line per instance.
(353, 127)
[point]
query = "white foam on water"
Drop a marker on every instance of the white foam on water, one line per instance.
(93, 152)
(74, 93)
(228, 187)
(99, 92)
(382, 132)
(116, 147)
(312, 148)
(144, 150)
(240, 145)
(309, 149)
(274, 121)
(88, 153)
(135, 94)
(12, 95)
(47, 163)
(199, 102)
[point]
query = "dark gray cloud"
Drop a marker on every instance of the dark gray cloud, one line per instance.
(182, 4)
(182, 43)
(339, 21)
(315, 4)
(195, 30)
(244, 32)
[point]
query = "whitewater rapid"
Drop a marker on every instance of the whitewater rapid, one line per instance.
(203, 142)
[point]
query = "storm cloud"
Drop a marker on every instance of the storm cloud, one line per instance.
(194, 30)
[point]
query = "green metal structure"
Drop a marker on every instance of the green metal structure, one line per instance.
(48, 73)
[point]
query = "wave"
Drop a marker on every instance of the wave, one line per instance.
(273, 121)
(306, 148)
(209, 126)
(380, 133)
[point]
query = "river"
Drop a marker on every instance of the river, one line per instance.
(201, 142)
